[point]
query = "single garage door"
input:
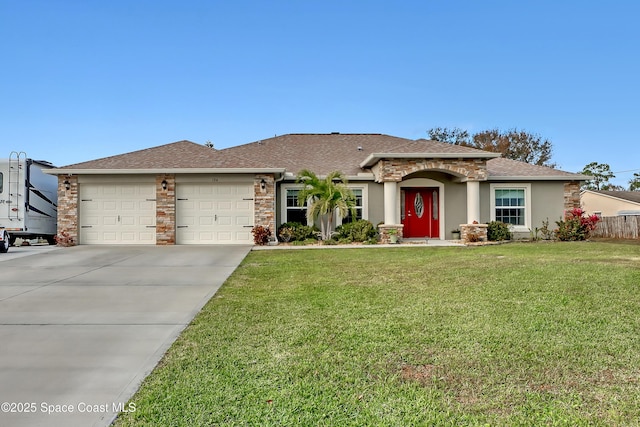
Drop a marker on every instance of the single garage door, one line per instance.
(214, 213)
(117, 214)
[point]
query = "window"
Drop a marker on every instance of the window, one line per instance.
(361, 194)
(1, 181)
(511, 204)
(358, 209)
(293, 212)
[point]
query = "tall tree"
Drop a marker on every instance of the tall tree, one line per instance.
(517, 145)
(324, 197)
(454, 136)
(513, 144)
(601, 173)
(634, 183)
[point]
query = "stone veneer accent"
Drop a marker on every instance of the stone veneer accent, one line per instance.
(68, 208)
(571, 195)
(265, 202)
(166, 210)
(479, 230)
(385, 237)
(396, 169)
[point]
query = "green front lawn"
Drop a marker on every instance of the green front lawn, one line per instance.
(515, 334)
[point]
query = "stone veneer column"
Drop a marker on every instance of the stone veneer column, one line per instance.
(474, 232)
(571, 195)
(166, 210)
(68, 208)
(473, 201)
(265, 201)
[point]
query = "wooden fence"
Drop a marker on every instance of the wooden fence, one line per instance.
(618, 227)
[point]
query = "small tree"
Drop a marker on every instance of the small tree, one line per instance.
(324, 197)
(634, 183)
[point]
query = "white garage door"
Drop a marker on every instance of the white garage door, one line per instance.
(117, 214)
(214, 213)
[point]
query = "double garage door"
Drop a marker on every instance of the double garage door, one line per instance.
(205, 213)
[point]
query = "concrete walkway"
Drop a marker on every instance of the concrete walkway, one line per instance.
(80, 328)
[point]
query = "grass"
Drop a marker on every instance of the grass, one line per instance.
(517, 334)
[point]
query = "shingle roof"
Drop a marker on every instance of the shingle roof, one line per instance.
(177, 155)
(632, 196)
(320, 153)
(507, 168)
(324, 153)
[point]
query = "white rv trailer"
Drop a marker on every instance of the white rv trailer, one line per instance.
(28, 200)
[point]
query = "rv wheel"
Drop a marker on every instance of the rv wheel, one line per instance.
(4, 244)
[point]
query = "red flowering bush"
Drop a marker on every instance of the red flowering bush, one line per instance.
(576, 225)
(261, 235)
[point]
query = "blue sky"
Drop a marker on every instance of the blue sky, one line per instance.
(83, 79)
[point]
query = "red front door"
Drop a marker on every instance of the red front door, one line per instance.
(421, 212)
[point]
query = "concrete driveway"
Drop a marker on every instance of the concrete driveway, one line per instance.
(81, 327)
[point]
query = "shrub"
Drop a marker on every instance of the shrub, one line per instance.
(576, 225)
(357, 231)
(285, 234)
(261, 235)
(295, 231)
(497, 231)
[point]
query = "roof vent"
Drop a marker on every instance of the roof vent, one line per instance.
(359, 147)
(260, 142)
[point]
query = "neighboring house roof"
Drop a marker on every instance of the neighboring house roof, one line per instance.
(320, 153)
(629, 196)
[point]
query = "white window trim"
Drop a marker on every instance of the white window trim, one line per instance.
(283, 200)
(365, 202)
(527, 201)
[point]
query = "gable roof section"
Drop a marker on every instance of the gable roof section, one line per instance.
(324, 153)
(182, 155)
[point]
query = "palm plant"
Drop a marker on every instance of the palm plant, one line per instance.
(325, 197)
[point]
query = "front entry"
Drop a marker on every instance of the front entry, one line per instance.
(420, 212)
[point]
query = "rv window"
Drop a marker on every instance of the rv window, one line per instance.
(1, 181)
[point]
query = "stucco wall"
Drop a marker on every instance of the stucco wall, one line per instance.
(376, 203)
(455, 207)
(547, 203)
